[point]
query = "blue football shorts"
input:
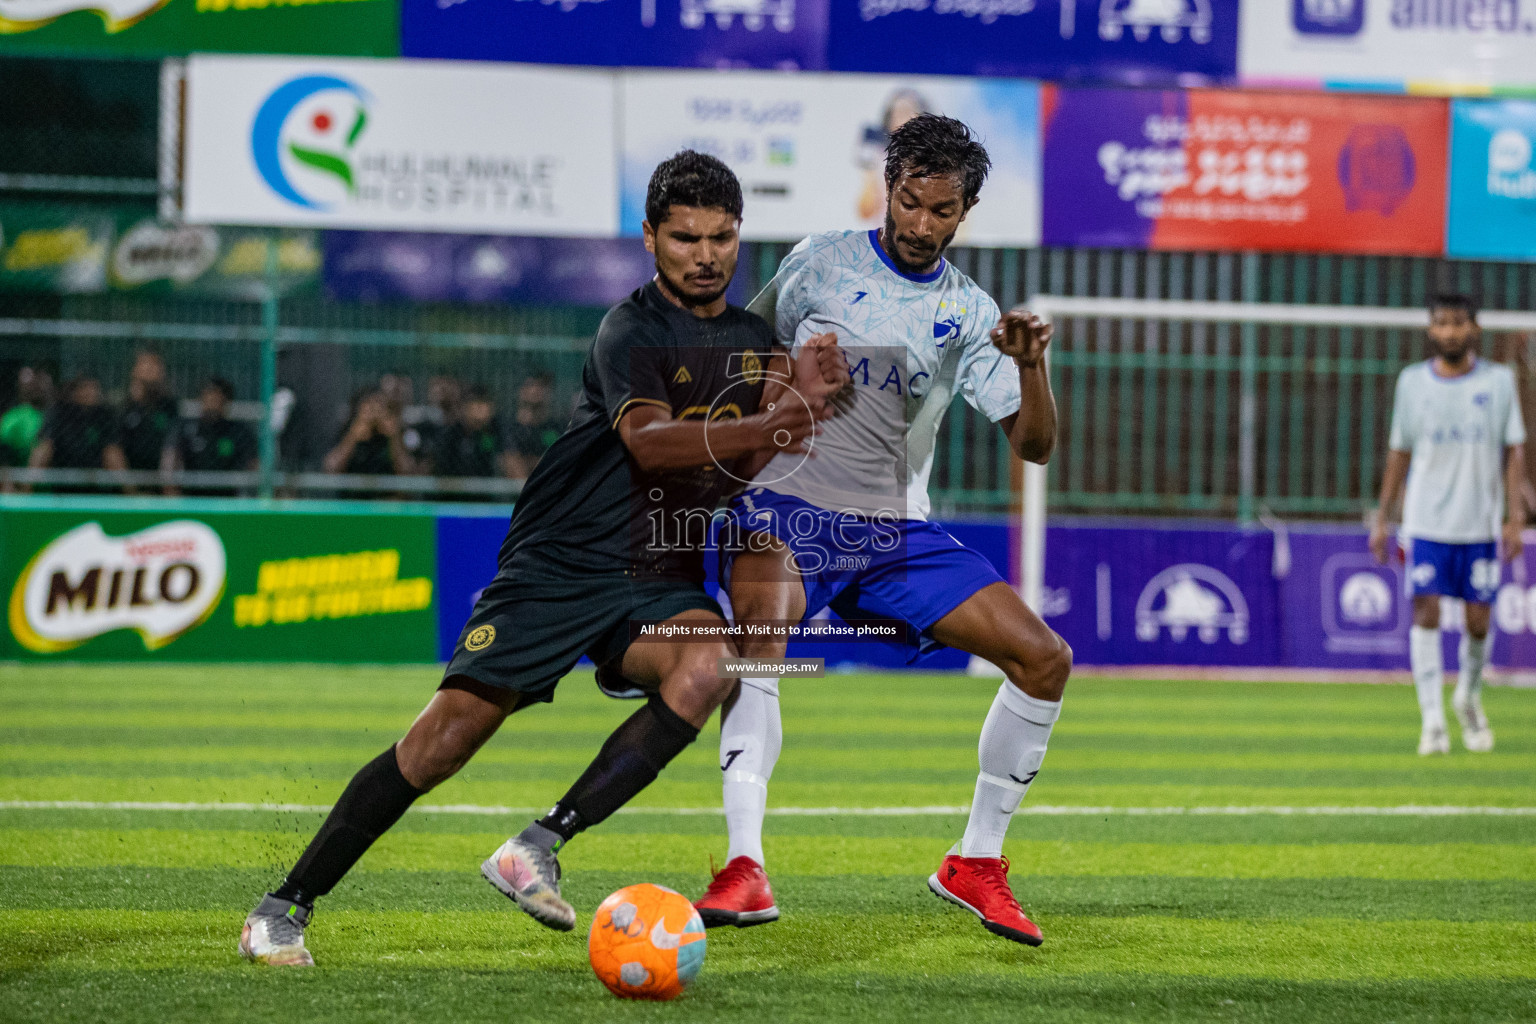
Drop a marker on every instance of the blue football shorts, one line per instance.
(866, 567)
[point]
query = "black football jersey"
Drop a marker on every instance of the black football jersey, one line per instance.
(588, 508)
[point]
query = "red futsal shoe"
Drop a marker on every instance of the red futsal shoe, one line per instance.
(980, 885)
(738, 895)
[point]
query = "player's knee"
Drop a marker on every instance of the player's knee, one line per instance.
(1056, 665)
(1040, 666)
(703, 686)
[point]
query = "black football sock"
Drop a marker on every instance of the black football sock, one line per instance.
(630, 760)
(373, 801)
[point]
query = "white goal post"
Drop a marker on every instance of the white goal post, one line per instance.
(1053, 308)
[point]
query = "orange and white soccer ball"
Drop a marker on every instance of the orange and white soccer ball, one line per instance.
(647, 942)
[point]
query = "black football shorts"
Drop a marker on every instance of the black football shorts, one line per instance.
(526, 635)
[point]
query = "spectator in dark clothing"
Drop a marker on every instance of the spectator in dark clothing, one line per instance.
(147, 419)
(535, 427)
(79, 433)
(429, 421)
(472, 444)
(22, 422)
(213, 442)
(372, 442)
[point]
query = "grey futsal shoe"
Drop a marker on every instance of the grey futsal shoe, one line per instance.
(274, 934)
(529, 875)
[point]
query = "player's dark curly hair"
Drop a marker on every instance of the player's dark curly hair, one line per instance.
(691, 179)
(1452, 300)
(930, 145)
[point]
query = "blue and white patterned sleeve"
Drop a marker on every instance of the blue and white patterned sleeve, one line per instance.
(988, 379)
(796, 283)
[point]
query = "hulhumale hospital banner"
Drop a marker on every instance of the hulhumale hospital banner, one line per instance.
(1424, 46)
(408, 145)
(1208, 169)
(776, 34)
(810, 149)
(1126, 41)
(1493, 179)
(153, 28)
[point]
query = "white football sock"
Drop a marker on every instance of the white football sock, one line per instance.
(1473, 656)
(1428, 673)
(750, 738)
(1011, 750)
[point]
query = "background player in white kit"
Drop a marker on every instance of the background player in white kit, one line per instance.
(848, 529)
(1458, 438)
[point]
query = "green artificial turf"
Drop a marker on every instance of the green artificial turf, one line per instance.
(132, 914)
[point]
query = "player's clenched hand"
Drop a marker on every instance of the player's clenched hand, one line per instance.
(1023, 336)
(831, 361)
(820, 372)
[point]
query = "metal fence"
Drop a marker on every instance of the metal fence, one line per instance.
(1151, 414)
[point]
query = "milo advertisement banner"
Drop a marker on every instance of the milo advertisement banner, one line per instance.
(155, 28)
(225, 586)
(80, 248)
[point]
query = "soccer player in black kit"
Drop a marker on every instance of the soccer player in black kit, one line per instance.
(668, 421)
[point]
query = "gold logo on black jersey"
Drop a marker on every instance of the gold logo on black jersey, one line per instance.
(682, 376)
(751, 367)
(480, 638)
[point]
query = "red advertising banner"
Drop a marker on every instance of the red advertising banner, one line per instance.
(1209, 169)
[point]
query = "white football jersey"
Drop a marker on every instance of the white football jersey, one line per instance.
(1456, 429)
(910, 341)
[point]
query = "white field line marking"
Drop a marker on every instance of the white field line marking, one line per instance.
(1399, 810)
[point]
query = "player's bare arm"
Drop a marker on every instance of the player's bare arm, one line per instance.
(832, 367)
(1391, 490)
(1023, 337)
(1514, 487)
(657, 441)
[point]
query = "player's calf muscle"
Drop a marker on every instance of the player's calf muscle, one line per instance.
(445, 736)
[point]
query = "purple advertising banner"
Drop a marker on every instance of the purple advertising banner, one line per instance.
(1134, 596)
(1132, 41)
(1127, 593)
(382, 265)
(1168, 594)
(1227, 169)
(765, 34)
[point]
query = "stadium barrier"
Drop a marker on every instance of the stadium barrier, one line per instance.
(213, 580)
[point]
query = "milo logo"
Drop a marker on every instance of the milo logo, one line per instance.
(162, 582)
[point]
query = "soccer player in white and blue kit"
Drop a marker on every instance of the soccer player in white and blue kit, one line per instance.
(848, 529)
(1458, 438)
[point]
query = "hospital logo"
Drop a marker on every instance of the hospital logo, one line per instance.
(1192, 597)
(160, 582)
(1328, 17)
(303, 138)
